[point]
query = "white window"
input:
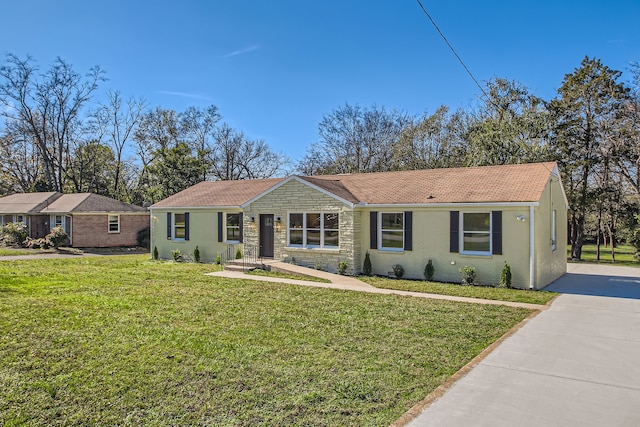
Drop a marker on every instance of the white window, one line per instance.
(391, 231)
(19, 218)
(114, 223)
(476, 233)
(179, 226)
(554, 234)
(233, 227)
(314, 230)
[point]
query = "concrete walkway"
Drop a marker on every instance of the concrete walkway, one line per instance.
(349, 283)
(575, 364)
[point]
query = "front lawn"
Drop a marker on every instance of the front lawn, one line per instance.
(15, 252)
(126, 341)
(484, 292)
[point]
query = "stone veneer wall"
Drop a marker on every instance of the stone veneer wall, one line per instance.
(293, 197)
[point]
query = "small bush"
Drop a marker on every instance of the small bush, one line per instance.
(366, 268)
(218, 260)
(196, 254)
(468, 275)
(429, 271)
(144, 238)
(319, 266)
(56, 237)
(155, 253)
(505, 276)
(14, 233)
(398, 270)
(238, 254)
(40, 243)
(176, 255)
(342, 267)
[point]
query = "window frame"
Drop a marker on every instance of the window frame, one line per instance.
(306, 229)
(381, 232)
(174, 227)
(109, 223)
(227, 227)
(463, 232)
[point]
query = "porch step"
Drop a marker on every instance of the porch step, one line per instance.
(238, 265)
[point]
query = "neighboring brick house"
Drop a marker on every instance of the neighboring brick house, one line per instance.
(480, 216)
(89, 219)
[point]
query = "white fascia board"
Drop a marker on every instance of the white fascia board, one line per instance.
(556, 173)
(449, 205)
(187, 208)
(302, 181)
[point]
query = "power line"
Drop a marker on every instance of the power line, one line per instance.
(452, 49)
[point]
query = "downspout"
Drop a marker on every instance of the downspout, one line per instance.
(150, 232)
(532, 247)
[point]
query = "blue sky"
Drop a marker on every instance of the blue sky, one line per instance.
(274, 68)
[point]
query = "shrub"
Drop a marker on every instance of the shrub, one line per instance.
(366, 268)
(218, 260)
(40, 243)
(176, 255)
(56, 237)
(342, 267)
(468, 275)
(14, 233)
(398, 270)
(505, 276)
(196, 254)
(144, 238)
(238, 254)
(319, 266)
(155, 253)
(429, 271)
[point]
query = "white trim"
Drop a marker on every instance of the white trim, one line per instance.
(477, 205)
(461, 232)
(304, 230)
(302, 181)
(240, 226)
(189, 208)
(532, 248)
(173, 226)
(556, 173)
(109, 223)
(384, 248)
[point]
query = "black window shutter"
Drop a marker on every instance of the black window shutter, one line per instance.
(408, 230)
(373, 230)
(219, 226)
(186, 226)
(241, 229)
(454, 231)
(496, 231)
(168, 225)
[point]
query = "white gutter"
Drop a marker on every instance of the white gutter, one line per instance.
(444, 205)
(532, 246)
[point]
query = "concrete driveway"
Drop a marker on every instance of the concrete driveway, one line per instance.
(575, 364)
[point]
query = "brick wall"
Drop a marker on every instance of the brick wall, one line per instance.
(93, 230)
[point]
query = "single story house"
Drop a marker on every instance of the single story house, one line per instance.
(479, 216)
(89, 219)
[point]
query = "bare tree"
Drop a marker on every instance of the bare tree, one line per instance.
(48, 107)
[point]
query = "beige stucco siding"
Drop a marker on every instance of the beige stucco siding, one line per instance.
(550, 264)
(297, 197)
(203, 232)
(431, 241)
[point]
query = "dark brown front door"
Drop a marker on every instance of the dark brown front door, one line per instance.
(266, 236)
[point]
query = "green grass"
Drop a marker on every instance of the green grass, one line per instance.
(259, 272)
(624, 255)
(14, 252)
(126, 341)
(484, 292)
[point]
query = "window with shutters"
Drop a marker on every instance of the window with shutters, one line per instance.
(179, 226)
(314, 230)
(391, 235)
(476, 233)
(232, 225)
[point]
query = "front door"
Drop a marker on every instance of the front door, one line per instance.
(266, 235)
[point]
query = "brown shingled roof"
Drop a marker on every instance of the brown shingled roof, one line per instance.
(486, 184)
(22, 203)
(89, 202)
(218, 193)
